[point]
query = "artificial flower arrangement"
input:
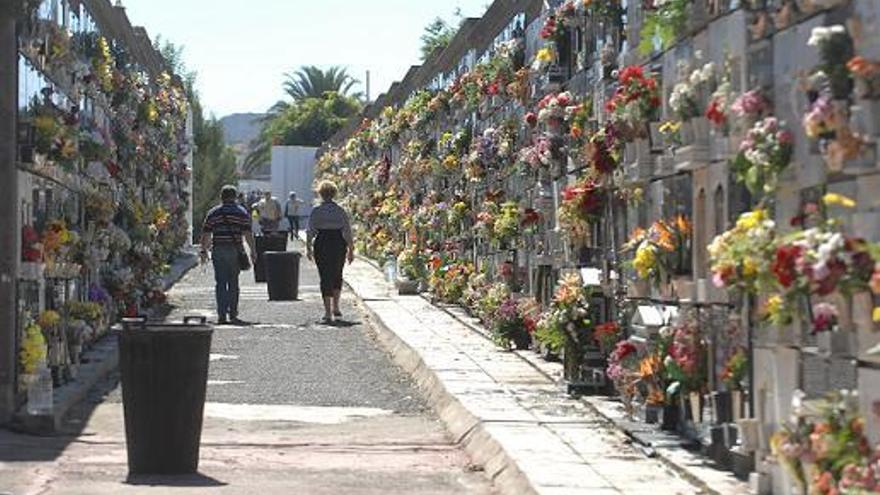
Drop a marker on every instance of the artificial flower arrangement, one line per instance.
(690, 91)
(660, 251)
(607, 335)
(824, 446)
(623, 370)
(509, 328)
(827, 120)
(555, 108)
(685, 360)
(448, 278)
(581, 206)
(835, 48)
(603, 150)
(735, 368)
(566, 316)
(412, 263)
(763, 155)
(31, 248)
(866, 74)
(818, 261)
(493, 295)
(740, 257)
(506, 228)
(33, 353)
(56, 132)
(635, 103)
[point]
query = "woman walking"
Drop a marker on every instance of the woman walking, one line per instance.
(330, 230)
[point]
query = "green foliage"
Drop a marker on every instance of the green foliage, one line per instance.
(312, 82)
(214, 163)
(438, 34)
(320, 103)
(665, 24)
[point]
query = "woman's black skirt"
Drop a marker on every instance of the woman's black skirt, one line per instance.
(330, 249)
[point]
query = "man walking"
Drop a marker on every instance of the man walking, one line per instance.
(222, 233)
(291, 212)
(270, 213)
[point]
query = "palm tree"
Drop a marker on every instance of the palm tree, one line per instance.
(312, 82)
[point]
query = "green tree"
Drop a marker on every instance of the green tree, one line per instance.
(214, 163)
(438, 34)
(319, 104)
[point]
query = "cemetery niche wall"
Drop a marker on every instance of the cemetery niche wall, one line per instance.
(677, 199)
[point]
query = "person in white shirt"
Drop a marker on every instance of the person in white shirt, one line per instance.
(330, 229)
(291, 212)
(270, 213)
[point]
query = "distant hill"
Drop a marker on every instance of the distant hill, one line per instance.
(241, 128)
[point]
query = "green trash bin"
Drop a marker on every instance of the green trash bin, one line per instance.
(164, 368)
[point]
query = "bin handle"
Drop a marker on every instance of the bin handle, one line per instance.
(199, 320)
(137, 321)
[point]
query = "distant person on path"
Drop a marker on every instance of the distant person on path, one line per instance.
(291, 212)
(330, 229)
(222, 233)
(270, 213)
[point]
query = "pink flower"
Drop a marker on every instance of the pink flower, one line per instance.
(824, 317)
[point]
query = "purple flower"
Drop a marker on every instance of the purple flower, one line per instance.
(98, 294)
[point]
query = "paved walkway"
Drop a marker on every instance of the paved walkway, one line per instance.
(294, 407)
(514, 419)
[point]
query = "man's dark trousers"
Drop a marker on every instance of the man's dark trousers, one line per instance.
(226, 271)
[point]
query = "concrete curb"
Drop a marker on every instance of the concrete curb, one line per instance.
(467, 430)
(102, 360)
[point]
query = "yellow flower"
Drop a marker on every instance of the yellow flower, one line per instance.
(751, 219)
(544, 55)
(774, 307)
(670, 127)
(876, 314)
(750, 268)
(645, 260)
(838, 200)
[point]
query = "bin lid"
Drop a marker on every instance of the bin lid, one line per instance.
(189, 324)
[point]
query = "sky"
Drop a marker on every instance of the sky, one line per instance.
(241, 49)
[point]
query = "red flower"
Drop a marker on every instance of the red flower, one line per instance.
(531, 119)
(530, 217)
(715, 114)
(631, 72)
(785, 264)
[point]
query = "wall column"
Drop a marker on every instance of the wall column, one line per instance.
(9, 210)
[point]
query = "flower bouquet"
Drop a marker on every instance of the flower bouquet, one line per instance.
(764, 154)
(824, 446)
(567, 316)
(740, 257)
(581, 205)
(509, 325)
(635, 103)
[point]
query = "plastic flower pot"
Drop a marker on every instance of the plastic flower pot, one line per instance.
(407, 287)
(671, 415)
(695, 402)
(736, 405)
(749, 433)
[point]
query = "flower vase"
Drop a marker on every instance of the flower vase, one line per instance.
(749, 432)
(721, 407)
(671, 414)
(696, 407)
(736, 405)
(652, 414)
(407, 287)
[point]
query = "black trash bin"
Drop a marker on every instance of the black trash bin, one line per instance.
(164, 370)
(265, 243)
(282, 270)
